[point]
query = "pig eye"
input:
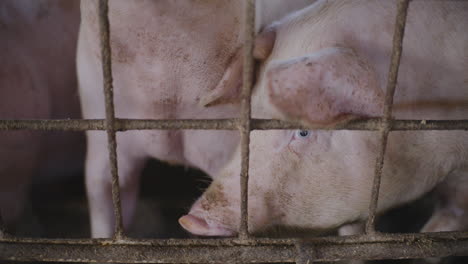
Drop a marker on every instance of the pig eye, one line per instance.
(302, 133)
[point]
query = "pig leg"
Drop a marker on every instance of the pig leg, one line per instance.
(13, 198)
(451, 212)
(352, 229)
(99, 183)
(19, 155)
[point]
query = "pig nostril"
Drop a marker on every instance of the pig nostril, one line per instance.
(193, 224)
(199, 226)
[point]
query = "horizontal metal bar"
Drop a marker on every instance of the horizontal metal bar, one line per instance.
(378, 246)
(51, 125)
(223, 124)
(218, 124)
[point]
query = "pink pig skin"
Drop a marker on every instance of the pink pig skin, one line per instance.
(168, 58)
(329, 63)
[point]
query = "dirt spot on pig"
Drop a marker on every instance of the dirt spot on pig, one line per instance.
(123, 53)
(214, 198)
(270, 199)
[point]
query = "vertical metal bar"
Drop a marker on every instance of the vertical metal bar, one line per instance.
(110, 114)
(244, 127)
(402, 11)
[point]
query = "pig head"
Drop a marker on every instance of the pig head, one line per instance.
(319, 180)
(287, 165)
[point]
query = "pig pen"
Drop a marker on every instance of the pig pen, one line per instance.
(123, 248)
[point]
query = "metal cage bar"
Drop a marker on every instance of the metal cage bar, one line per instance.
(400, 23)
(106, 56)
(261, 250)
(244, 249)
(244, 127)
(370, 124)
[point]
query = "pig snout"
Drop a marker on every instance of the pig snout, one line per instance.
(199, 226)
(199, 223)
(215, 213)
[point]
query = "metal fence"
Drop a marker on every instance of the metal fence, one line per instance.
(244, 248)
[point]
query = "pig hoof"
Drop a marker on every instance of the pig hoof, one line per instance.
(199, 226)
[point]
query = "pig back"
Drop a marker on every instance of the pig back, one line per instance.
(166, 54)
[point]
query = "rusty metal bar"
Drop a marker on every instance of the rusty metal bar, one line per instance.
(400, 23)
(385, 246)
(305, 254)
(244, 124)
(215, 124)
(371, 124)
(110, 113)
(53, 125)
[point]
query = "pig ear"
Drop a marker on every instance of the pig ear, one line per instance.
(229, 88)
(330, 86)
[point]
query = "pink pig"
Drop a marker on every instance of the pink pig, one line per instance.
(37, 81)
(168, 56)
(329, 63)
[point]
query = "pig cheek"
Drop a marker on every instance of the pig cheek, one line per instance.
(217, 207)
(285, 178)
(282, 142)
(269, 214)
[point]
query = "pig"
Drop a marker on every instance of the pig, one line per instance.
(168, 63)
(38, 45)
(328, 64)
